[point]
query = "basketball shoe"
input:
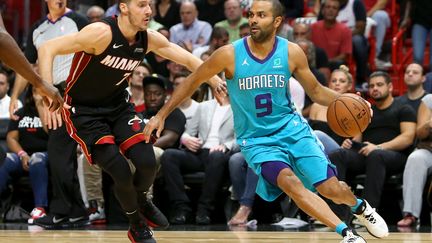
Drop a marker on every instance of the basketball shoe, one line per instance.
(154, 217)
(140, 233)
(36, 213)
(352, 237)
(373, 222)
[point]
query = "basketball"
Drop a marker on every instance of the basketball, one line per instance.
(348, 115)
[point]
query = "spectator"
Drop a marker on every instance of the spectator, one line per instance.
(378, 10)
(66, 207)
(191, 32)
(387, 141)
(218, 38)
(5, 100)
(189, 106)
(234, 19)
(167, 12)
(341, 82)
(353, 14)
(136, 86)
(244, 182)
(244, 30)
(95, 13)
(418, 166)
(418, 13)
(159, 64)
(208, 140)
(27, 140)
(414, 78)
(112, 10)
(211, 11)
(334, 37)
(302, 31)
(293, 8)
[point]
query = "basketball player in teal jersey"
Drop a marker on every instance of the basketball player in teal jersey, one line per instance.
(276, 141)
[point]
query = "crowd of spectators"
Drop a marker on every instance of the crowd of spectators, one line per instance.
(199, 136)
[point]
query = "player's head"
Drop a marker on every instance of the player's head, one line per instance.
(380, 85)
(341, 80)
(414, 75)
(138, 12)
(154, 92)
(265, 17)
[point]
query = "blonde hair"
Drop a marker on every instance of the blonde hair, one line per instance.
(344, 69)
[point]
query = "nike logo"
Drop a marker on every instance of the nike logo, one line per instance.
(115, 46)
(73, 220)
(56, 221)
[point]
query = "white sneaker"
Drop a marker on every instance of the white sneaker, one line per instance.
(374, 223)
(98, 216)
(380, 64)
(350, 237)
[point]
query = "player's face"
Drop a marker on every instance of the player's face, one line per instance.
(379, 90)
(339, 82)
(414, 75)
(139, 13)
(154, 97)
(261, 21)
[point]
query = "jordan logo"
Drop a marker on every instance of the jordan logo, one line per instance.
(245, 62)
(115, 46)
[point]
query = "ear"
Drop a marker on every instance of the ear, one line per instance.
(278, 22)
(123, 8)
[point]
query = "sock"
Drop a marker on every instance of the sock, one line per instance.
(359, 207)
(134, 217)
(341, 228)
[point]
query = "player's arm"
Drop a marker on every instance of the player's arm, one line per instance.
(216, 63)
(300, 69)
(92, 39)
(164, 48)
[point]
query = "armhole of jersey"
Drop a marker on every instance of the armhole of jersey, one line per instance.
(145, 41)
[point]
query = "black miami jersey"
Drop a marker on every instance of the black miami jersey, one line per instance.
(101, 80)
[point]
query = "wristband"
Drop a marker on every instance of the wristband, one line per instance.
(21, 153)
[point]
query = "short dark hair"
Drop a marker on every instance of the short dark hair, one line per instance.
(155, 79)
(277, 7)
(383, 74)
(182, 74)
(218, 33)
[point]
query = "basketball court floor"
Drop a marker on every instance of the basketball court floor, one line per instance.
(13, 233)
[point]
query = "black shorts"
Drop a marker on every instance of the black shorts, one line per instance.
(118, 124)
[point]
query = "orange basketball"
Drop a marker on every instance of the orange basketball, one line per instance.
(348, 115)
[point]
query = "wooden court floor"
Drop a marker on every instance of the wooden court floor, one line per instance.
(84, 236)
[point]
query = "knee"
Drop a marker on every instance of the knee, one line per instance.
(38, 159)
(334, 191)
(290, 184)
(169, 158)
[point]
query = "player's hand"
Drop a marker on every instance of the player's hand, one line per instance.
(154, 123)
(51, 96)
(53, 119)
(13, 106)
(369, 104)
(219, 89)
(367, 149)
(192, 143)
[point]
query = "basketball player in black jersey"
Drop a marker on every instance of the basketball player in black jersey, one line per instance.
(11, 55)
(101, 120)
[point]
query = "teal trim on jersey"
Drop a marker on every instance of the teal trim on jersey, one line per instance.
(259, 90)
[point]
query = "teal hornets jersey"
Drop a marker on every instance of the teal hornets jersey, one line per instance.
(259, 90)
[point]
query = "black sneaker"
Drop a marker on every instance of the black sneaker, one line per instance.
(181, 216)
(78, 222)
(154, 217)
(140, 233)
(52, 221)
(202, 217)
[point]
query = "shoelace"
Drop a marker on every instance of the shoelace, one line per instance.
(351, 237)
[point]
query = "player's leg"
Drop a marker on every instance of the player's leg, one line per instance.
(282, 176)
(143, 158)
(110, 159)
